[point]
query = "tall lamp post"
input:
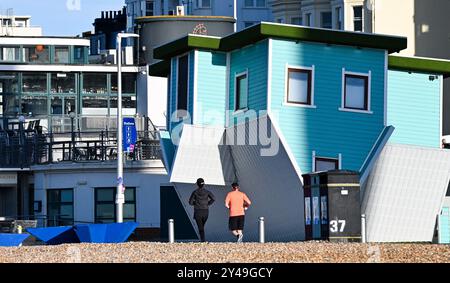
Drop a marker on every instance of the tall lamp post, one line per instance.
(120, 193)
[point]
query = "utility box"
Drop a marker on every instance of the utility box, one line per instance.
(332, 206)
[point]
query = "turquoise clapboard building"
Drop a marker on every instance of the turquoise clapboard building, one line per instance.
(334, 98)
(324, 128)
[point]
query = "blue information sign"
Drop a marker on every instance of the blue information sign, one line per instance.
(129, 134)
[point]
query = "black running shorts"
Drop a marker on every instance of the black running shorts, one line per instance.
(236, 223)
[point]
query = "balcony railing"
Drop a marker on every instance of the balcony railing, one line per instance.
(24, 148)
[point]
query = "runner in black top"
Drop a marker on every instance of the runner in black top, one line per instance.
(201, 199)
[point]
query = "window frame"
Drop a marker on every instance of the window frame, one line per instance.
(200, 5)
(300, 69)
(61, 203)
(96, 218)
(187, 84)
(330, 13)
(236, 76)
(255, 5)
(336, 161)
(367, 93)
(362, 18)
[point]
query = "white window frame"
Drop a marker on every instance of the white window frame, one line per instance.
(369, 92)
(176, 84)
(286, 84)
(362, 17)
(315, 157)
(236, 75)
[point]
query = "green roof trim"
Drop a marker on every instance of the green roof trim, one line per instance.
(264, 30)
(185, 44)
(427, 65)
(159, 69)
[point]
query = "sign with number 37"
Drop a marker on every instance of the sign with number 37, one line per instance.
(337, 226)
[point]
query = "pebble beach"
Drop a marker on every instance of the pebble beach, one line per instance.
(301, 252)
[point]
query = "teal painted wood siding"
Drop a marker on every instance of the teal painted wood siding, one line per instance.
(324, 129)
(211, 88)
(414, 108)
(253, 59)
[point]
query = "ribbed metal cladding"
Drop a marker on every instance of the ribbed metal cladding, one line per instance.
(404, 193)
(270, 182)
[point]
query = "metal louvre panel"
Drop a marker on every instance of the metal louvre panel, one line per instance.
(404, 193)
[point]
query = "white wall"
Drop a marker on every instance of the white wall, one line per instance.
(146, 181)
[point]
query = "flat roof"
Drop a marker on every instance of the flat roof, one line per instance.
(265, 30)
(44, 40)
(186, 17)
(420, 64)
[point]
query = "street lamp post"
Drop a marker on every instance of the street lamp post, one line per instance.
(120, 193)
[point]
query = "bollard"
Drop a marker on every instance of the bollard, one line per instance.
(261, 230)
(363, 228)
(19, 229)
(171, 231)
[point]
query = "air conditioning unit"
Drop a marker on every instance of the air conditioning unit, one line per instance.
(180, 10)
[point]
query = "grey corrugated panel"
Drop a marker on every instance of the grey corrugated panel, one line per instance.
(272, 185)
(199, 154)
(404, 193)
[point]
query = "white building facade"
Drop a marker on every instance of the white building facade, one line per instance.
(248, 12)
(11, 25)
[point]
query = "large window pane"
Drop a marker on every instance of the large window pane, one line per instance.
(241, 92)
(356, 92)
(95, 83)
(37, 54)
(105, 194)
(9, 98)
(249, 3)
(61, 55)
(182, 83)
(60, 207)
(63, 83)
(128, 102)
(79, 54)
(70, 104)
(326, 164)
(128, 83)
(95, 101)
(129, 210)
(66, 196)
(56, 106)
(9, 53)
(326, 18)
(34, 83)
(299, 86)
(105, 210)
(260, 3)
(34, 105)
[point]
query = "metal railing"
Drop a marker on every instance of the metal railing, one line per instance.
(21, 149)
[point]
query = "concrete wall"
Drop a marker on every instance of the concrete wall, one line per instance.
(84, 180)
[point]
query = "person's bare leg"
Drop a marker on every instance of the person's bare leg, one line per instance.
(235, 232)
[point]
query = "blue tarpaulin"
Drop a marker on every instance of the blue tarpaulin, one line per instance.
(55, 235)
(12, 240)
(105, 233)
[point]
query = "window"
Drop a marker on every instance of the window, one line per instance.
(128, 102)
(96, 102)
(241, 91)
(182, 90)
(296, 21)
(356, 92)
(308, 20)
(95, 83)
(9, 98)
(60, 207)
(34, 83)
(326, 20)
(62, 83)
(79, 55)
(38, 54)
(203, 3)
(128, 83)
(299, 86)
(61, 55)
(105, 206)
(358, 18)
(34, 105)
(255, 3)
(149, 9)
(10, 53)
(56, 105)
(326, 164)
(338, 17)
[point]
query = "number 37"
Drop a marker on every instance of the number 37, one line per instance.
(337, 225)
